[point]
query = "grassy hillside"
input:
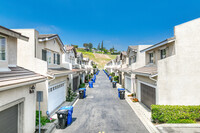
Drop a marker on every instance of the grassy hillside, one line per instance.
(100, 59)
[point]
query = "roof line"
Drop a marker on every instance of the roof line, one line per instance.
(159, 44)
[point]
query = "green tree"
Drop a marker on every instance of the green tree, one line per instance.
(86, 45)
(90, 45)
(75, 46)
(102, 46)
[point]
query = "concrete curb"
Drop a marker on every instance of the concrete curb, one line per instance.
(148, 124)
(179, 125)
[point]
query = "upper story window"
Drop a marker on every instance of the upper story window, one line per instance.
(134, 58)
(49, 57)
(2, 48)
(130, 61)
(163, 53)
(46, 56)
(150, 57)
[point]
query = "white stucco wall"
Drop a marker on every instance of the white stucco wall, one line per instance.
(178, 75)
(8, 96)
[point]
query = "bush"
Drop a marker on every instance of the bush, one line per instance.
(43, 119)
(175, 113)
(116, 78)
(70, 95)
(82, 85)
(112, 74)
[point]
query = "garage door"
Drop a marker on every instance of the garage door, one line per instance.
(128, 83)
(148, 95)
(57, 95)
(9, 120)
(75, 84)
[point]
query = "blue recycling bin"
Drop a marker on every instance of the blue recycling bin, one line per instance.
(91, 84)
(110, 77)
(70, 111)
(84, 91)
(93, 80)
(119, 90)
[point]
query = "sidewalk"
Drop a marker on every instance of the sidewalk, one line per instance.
(145, 116)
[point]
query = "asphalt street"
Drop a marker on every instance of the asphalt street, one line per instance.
(103, 112)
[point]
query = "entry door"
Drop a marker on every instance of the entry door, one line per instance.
(148, 95)
(75, 83)
(128, 83)
(57, 95)
(9, 120)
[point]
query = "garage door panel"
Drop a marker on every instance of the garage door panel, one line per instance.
(148, 95)
(56, 96)
(128, 84)
(9, 120)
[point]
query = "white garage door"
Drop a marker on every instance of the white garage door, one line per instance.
(56, 96)
(128, 83)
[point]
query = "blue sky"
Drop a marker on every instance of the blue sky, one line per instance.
(118, 22)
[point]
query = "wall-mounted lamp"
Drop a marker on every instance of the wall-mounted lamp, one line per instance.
(32, 89)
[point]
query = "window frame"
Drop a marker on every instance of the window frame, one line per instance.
(48, 51)
(6, 53)
(161, 53)
(151, 59)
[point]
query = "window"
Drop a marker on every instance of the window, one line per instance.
(163, 53)
(49, 57)
(134, 59)
(44, 55)
(129, 60)
(55, 58)
(58, 59)
(150, 57)
(2, 48)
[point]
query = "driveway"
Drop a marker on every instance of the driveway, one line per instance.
(103, 112)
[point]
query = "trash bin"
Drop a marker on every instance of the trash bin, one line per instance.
(84, 94)
(62, 118)
(91, 84)
(93, 80)
(122, 94)
(119, 91)
(70, 111)
(81, 93)
(111, 80)
(114, 84)
(110, 77)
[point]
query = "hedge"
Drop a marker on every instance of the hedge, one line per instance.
(175, 113)
(116, 78)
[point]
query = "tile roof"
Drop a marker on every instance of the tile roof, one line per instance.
(59, 71)
(124, 53)
(149, 70)
(69, 47)
(18, 75)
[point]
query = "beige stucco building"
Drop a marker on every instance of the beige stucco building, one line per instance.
(170, 76)
(43, 54)
(17, 87)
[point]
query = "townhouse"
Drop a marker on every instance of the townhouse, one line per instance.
(17, 86)
(170, 75)
(43, 54)
(71, 57)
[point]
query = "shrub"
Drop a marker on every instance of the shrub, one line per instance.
(116, 78)
(112, 74)
(70, 95)
(82, 85)
(175, 113)
(43, 119)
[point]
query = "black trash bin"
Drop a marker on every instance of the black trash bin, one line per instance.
(122, 94)
(62, 119)
(114, 84)
(81, 93)
(111, 80)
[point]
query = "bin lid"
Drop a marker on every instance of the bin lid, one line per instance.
(62, 112)
(115, 81)
(66, 108)
(120, 89)
(82, 89)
